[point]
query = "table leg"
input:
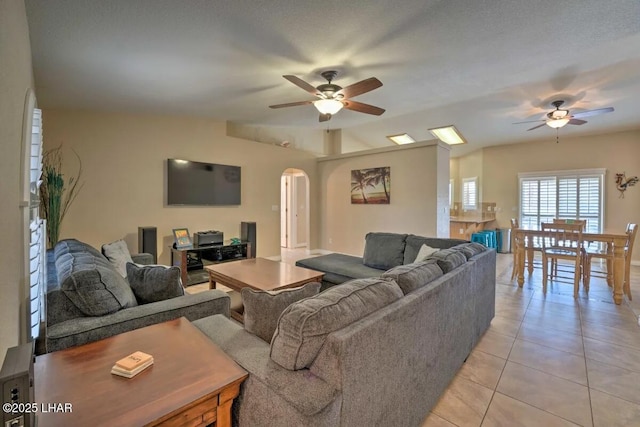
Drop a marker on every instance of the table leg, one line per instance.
(520, 260)
(618, 271)
(225, 400)
(530, 257)
(212, 282)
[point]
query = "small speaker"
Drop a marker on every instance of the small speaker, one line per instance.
(16, 384)
(148, 241)
(248, 234)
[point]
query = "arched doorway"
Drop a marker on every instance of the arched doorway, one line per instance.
(294, 209)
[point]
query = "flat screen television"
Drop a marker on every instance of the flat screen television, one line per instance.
(202, 184)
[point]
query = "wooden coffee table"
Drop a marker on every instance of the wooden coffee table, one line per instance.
(260, 274)
(192, 382)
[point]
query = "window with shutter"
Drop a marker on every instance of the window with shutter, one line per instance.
(470, 193)
(37, 241)
(576, 194)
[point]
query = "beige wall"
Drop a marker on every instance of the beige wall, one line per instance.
(616, 152)
(414, 195)
(300, 138)
(124, 170)
(16, 78)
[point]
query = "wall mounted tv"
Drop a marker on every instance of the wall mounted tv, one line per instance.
(202, 184)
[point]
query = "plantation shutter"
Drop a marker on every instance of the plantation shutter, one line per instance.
(564, 195)
(37, 243)
(470, 193)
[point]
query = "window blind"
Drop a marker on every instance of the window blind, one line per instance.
(469, 193)
(564, 195)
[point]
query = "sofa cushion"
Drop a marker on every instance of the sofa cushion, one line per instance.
(448, 259)
(263, 308)
(118, 254)
(304, 325)
(414, 243)
(153, 283)
(384, 250)
(413, 276)
(339, 268)
(94, 286)
(470, 249)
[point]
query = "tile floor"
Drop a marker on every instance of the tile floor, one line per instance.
(546, 360)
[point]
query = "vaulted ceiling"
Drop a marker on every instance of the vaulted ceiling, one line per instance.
(478, 64)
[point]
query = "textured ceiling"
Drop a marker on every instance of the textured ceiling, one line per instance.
(478, 64)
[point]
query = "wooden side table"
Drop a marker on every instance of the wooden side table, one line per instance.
(192, 382)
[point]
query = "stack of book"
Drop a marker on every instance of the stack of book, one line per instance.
(132, 365)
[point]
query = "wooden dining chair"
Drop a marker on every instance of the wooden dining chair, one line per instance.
(581, 222)
(607, 254)
(562, 242)
(632, 229)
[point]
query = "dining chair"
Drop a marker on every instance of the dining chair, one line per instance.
(607, 254)
(632, 229)
(514, 225)
(583, 223)
(562, 242)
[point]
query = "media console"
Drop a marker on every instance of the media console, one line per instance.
(194, 258)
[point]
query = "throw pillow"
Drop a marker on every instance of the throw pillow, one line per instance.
(152, 283)
(263, 308)
(383, 250)
(304, 325)
(449, 259)
(424, 253)
(95, 289)
(413, 276)
(118, 253)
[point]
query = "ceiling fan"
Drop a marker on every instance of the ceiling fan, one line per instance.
(332, 98)
(561, 117)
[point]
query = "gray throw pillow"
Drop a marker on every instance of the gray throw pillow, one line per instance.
(413, 276)
(449, 259)
(95, 289)
(118, 254)
(304, 325)
(384, 250)
(263, 308)
(152, 283)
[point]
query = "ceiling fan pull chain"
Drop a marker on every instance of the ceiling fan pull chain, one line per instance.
(557, 137)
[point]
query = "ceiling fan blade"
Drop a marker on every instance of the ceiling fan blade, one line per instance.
(536, 127)
(590, 113)
(529, 121)
(325, 117)
(577, 122)
(291, 104)
(362, 108)
(302, 84)
(359, 88)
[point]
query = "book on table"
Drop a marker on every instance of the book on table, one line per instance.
(132, 364)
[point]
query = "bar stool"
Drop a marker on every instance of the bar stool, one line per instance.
(493, 239)
(482, 238)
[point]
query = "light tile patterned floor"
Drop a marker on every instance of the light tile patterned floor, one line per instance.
(550, 360)
(547, 360)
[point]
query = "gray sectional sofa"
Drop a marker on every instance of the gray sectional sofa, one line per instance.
(367, 352)
(88, 300)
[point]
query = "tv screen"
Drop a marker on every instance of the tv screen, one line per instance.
(205, 184)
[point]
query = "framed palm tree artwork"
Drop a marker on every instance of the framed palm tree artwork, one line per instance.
(371, 186)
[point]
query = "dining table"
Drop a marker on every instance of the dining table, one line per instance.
(525, 244)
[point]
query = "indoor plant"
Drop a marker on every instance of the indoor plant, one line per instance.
(56, 195)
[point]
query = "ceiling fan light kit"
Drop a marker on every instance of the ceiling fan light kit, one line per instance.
(328, 106)
(559, 118)
(332, 98)
(557, 123)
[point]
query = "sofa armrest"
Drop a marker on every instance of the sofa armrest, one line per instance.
(143, 258)
(83, 330)
(303, 390)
